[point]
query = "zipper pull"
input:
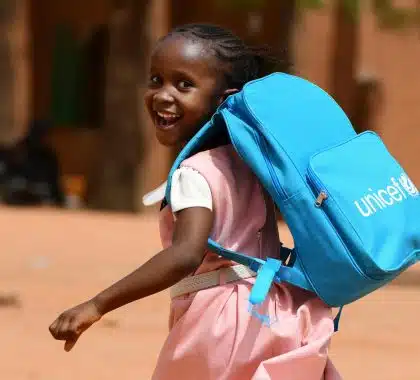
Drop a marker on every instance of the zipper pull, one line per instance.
(321, 198)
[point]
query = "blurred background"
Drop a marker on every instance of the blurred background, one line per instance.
(77, 153)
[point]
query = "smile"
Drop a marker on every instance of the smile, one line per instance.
(166, 120)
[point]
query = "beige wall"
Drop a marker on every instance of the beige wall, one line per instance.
(393, 57)
(312, 46)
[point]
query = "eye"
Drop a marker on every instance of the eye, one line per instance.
(184, 85)
(154, 80)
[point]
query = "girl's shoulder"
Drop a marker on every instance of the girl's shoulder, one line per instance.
(217, 158)
(222, 167)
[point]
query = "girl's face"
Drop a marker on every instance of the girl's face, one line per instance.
(184, 89)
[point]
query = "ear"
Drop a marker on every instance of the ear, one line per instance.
(226, 93)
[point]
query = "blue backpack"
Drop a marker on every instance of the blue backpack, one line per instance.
(351, 208)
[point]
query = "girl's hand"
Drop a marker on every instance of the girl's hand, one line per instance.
(73, 322)
(192, 229)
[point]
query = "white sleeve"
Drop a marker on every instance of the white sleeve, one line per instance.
(189, 189)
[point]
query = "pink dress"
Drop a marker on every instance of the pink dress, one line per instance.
(212, 335)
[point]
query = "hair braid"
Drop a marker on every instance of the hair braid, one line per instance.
(244, 63)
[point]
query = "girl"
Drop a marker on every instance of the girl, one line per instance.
(212, 335)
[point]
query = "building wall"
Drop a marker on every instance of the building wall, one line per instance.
(256, 26)
(393, 57)
(75, 146)
(15, 66)
(80, 15)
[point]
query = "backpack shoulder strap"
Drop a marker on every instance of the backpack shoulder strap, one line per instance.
(268, 271)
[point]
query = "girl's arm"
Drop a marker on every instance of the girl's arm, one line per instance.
(192, 229)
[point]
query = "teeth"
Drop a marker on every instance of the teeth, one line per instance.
(168, 116)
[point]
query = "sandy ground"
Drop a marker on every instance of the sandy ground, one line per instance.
(52, 260)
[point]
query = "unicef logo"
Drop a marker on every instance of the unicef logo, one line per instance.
(398, 190)
(408, 185)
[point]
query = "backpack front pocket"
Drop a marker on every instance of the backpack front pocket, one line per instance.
(371, 203)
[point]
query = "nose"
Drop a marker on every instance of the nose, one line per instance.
(163, 96)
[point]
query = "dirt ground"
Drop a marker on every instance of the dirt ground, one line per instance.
(52, 260)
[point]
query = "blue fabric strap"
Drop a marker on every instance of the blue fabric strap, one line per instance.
(268, 271)
(265, 319)
(293, 275)
(265, 278)
(253, 263)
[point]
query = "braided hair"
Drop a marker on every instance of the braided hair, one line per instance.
(240, 63)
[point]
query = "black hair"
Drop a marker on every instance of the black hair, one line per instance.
(243, 63)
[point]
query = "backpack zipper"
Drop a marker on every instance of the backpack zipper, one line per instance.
(318, 188)
(321, 198)
(322, 194)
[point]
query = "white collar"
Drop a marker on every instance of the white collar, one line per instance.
(155, 196)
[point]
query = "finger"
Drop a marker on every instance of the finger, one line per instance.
(70, 343)
(56, 324)
(53, 327)
(64, 332)
(57, 328)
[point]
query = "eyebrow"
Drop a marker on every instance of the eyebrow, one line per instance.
(183, 73)
(178, 73)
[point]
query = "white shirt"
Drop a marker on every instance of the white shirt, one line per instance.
(189, 189)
